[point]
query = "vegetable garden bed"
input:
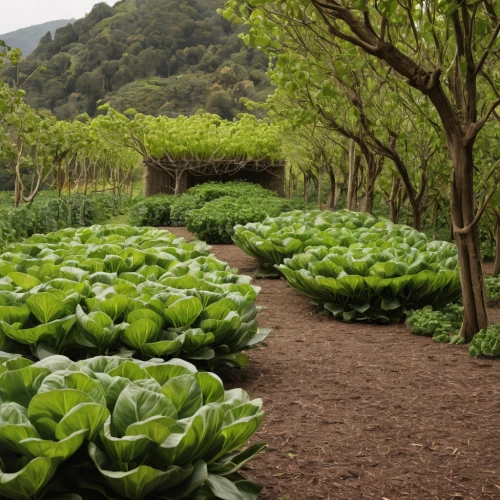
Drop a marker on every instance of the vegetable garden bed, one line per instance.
(128, 291)
(95, 400)
(355, 266)
(363, 411)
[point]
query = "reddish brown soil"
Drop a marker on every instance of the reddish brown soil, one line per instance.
(357, 411)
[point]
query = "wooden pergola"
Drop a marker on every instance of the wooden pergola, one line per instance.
(169, 176)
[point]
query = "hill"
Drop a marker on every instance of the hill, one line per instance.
(156, 56)
(27, 39)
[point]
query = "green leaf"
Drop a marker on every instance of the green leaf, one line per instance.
(46, 307)
(28, 481)
(223, 488)
(183, 312)
(136, 404)
(185, 393)
(114, 307)
(140, 332)
(14, 314)
(24, 281)
(47, 409)
(141, 481)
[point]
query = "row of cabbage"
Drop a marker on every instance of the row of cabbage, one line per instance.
(111, 290)
(96, 327)
(121, 428)
(355, 266)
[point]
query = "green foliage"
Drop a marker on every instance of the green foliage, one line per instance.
(153, 211)
(180, 208)
(200, 137)
(357, 267)
(50, 213)
(215, 221)
(161, 57)
(440, 324)
(486, 343)
(117, 289)
(210, 191)
(111, 426)
(493, 288)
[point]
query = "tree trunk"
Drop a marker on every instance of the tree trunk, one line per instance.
(290, 181)
(354, 161)
(68, 177)
(338, 191)
(332, 195)
(17, 191)
(393, 200)
(417, 217)
(59, 180)
(496, 267)
(18, 186)
(86, 178)
(469, 256)
(368, 200)
(320, 198)
(371, 177)
(177, 190)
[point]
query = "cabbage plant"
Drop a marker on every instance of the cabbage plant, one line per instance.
(486, 342)
(109, 290)
(123, 429)
(355, 266)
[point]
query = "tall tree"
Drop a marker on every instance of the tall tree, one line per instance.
(443, 49)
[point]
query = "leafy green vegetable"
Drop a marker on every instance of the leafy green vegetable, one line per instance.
(211, 209)
(110, 289)
(358, 267)
(440, 324)
(50, 213)
(493, 288)
(486, 342)
(148, 427)
(215, 221)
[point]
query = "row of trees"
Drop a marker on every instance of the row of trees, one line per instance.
(410, 85)
(398, 97)
(37, 151)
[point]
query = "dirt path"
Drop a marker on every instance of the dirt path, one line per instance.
(359, 411)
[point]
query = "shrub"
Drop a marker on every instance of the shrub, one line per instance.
(164, 210)
(122, 427)
(180, 207)
(50, 213)
(355, 266)
(215, 221)
(486, 342)
(153, 211)
(493, 288)
(112, 289)
(210, 191)
(442, 325)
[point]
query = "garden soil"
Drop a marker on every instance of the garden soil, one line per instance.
(358, 411)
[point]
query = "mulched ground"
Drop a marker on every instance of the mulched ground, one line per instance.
(358, 411)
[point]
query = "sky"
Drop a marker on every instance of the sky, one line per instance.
(16, 14)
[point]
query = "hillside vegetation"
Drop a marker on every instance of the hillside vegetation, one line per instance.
(161, 57)
(27, 39)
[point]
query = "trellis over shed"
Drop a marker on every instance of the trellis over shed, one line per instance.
(176, 177)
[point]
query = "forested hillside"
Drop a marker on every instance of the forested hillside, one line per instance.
(161, 57)
(27, 39)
